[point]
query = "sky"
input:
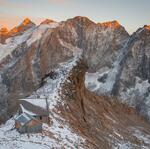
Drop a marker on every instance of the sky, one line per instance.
(132, 14)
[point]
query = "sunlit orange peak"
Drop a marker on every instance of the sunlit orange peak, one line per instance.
(111, 24)
(147, 27)
(4, 30)
(14, 30)
(26, 21)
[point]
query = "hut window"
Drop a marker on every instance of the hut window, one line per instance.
(40, 117)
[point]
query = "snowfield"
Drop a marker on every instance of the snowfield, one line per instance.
(39, 31)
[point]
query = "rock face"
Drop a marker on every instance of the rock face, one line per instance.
(103, 121)
(134, 83)
(128, 78)
(99, 42)
(118, 64)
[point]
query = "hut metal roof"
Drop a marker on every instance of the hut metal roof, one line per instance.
(33, 109)
(24, 118)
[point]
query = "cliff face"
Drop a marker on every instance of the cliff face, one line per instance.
(100, 43)
(128, 78)
(103, 121)
(134, 83)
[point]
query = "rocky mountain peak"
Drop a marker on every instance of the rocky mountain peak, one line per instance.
(81, 21)
(25, 25)
(26, 21)
(112, 24)
(18, 30)
(48, 21)
(82, 18)
(143, 33)
(147, 27)
(4, 30)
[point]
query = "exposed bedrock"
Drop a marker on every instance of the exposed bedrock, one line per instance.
(103, 121)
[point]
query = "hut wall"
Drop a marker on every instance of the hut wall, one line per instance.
(17, 125)
(44, 119)
(32, 127)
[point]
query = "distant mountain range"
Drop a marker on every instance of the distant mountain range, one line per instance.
(101, 57)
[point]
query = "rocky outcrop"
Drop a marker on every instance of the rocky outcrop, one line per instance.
(103, 121)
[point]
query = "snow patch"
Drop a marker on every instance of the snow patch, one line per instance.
(13, 42)
(39, 31)
(37, 102)
(26, 111)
